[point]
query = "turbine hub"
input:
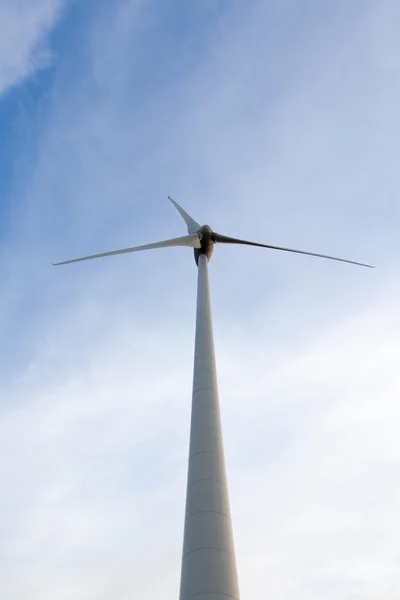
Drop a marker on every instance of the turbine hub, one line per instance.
(207, 243)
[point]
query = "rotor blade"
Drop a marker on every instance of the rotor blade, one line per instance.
(223, 239)
(192, 241)
(192, 225)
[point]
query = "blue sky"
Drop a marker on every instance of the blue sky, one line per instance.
(276, 122)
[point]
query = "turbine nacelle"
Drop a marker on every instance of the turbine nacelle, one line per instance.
(202, 240)
(205, 230)
(207, 243)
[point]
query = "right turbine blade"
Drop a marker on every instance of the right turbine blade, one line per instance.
(223, 239)
(192, 225)
(192, 241)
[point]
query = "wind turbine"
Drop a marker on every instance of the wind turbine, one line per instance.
(208, 557)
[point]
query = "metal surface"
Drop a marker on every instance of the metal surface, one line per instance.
(206, 243)
(224, 239)
(208, 561)
(191, 241)
(192, 225)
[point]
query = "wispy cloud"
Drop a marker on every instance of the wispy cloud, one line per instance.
(273, 123)
(25, 25)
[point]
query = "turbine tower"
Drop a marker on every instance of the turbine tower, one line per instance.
(208, 558)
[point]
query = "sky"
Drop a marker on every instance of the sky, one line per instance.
(271, 121)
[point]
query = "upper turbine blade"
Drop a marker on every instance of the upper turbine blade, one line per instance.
(192, 225)
(223, 239)
(192, 241)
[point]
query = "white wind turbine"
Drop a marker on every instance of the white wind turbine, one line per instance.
(208, 560)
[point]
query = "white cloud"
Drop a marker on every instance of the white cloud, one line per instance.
(24, 26)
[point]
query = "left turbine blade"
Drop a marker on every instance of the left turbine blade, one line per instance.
(223, 239)
(191, 241)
